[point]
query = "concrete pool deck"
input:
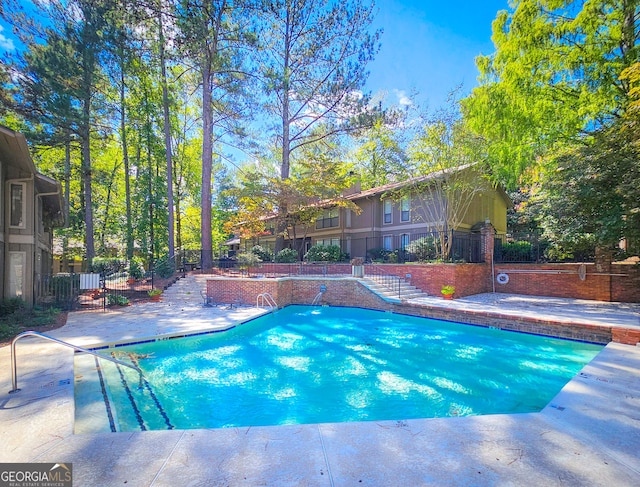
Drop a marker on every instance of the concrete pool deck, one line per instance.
(588, 435)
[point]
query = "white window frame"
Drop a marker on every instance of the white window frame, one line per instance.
(23, 217)
(405, 208)
(387, 242)
(387, 205)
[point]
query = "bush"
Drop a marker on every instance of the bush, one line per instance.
(247, 259)
(10, 306)
(324, 253)
(107, 265)
(136, 271)
(265, 255)
(164, 267)
(423, 249)
(378, 255)
(287, 256)
(516, 251)
(117, 300)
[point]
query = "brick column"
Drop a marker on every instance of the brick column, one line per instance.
(488, 241)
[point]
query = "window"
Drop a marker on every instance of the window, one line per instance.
(405, 204)
(18, 209)
(16, 273)
(404, 241)
(325, 242)
(387, 211)
(329, 219)
(387, 242)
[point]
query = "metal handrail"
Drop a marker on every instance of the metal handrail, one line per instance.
(14, 370)
(268, 299)
(382, 277)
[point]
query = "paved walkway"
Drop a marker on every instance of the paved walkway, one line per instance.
(588, 435)
(562, 310)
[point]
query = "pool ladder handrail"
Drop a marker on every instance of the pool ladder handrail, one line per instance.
(266, 299)
(14, 370)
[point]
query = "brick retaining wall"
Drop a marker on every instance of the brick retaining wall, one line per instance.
(619, 282)
(351, 293)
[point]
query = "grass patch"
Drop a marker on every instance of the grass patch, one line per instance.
(16, 318)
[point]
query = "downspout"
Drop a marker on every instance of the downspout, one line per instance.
(35, 238)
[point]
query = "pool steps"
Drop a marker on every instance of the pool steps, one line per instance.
(405, 292)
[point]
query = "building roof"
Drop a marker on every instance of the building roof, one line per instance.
(14, 151)
(379, 190)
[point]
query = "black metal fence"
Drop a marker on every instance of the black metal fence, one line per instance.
(519, 248)
(89, 291)
(393, 248)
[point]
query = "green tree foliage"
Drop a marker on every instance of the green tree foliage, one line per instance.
(266, 202)
(380, 156)
(130, 104)
(314, 61)
(590, 194)
(445, 163)
(213, 36)
(555, 76)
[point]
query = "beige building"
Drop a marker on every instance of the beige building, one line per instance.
(393, 216)
(31, 207)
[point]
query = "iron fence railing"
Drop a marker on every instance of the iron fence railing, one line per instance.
(380, 276)
(382, 248)
(69, 291)
(519, 248)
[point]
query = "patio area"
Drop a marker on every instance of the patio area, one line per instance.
(588, 435)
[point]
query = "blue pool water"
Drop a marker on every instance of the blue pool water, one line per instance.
(319, 364)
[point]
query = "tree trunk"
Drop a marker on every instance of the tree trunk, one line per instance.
(286, 135)
(207, 163)
(86, 183)
(150, 188)
(125, 160)
(65, 203)
(167, 140)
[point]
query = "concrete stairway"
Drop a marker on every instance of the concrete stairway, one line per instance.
(390, 292)
(186, 291)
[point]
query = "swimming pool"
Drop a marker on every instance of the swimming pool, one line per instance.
(306, 364)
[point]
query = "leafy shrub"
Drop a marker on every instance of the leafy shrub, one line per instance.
(107, 265)
(324, 253)
(117, 300)
(10, 306)
(287, 256)
(164, 267)
(516, 251)
(247, 259)
(424, 249)
(379, 254)
(264, 254)
(136, 271)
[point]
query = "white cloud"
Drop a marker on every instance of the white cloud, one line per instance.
(5, 43)
(403, 98)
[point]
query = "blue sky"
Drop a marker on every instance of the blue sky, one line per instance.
(430, 46)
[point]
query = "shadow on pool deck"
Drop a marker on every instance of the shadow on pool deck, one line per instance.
(588, 435)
